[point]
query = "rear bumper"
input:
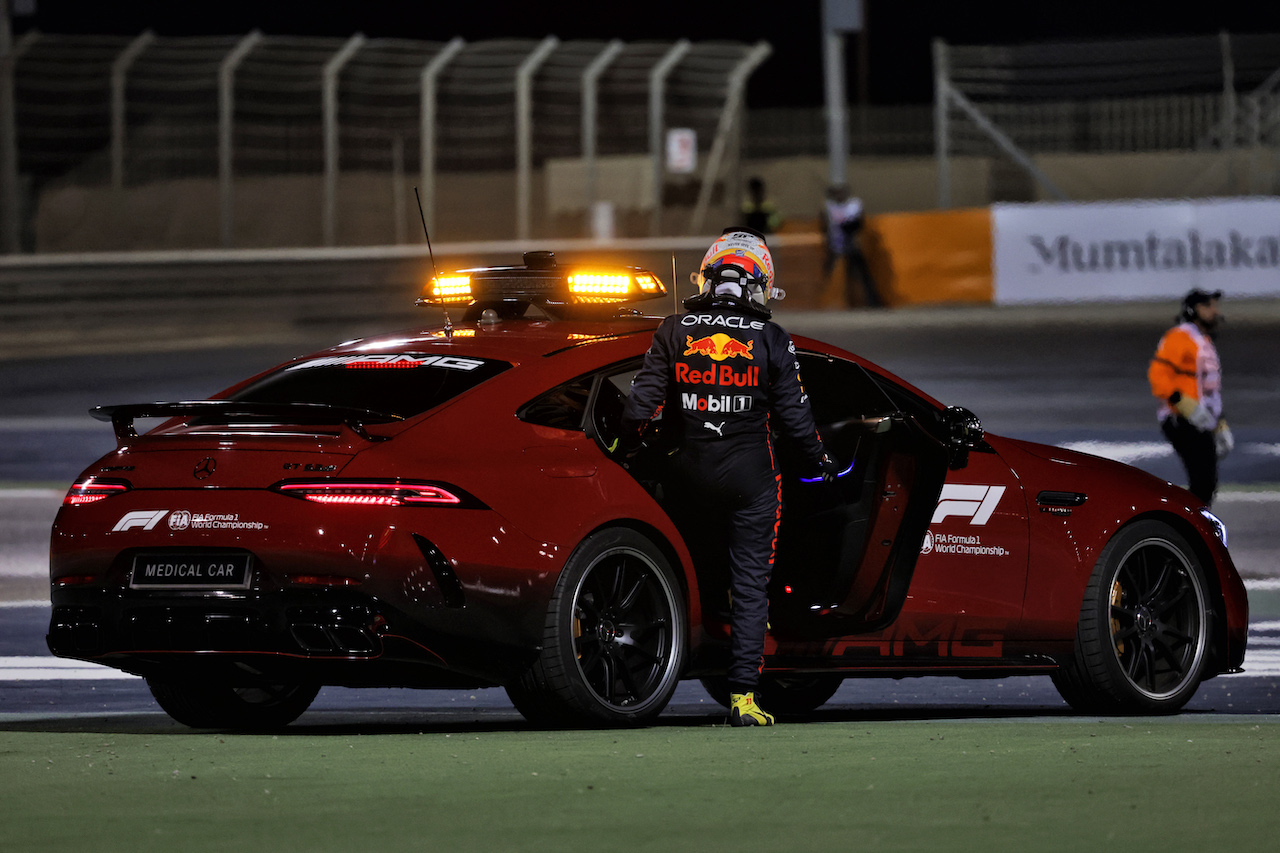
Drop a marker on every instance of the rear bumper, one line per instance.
(366, 595)
(329, 637)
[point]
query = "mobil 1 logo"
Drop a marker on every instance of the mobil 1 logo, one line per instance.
(715, 402)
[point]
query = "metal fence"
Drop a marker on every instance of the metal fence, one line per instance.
(1012, 102)
(124, 111)
(128, 111)
(904, 130)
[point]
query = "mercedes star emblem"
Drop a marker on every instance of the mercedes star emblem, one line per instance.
(205, 468)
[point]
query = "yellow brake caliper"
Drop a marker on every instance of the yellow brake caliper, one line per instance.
(1116, 594)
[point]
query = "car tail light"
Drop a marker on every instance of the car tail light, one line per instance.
(76, 580)
(364, 493)
(322, 580)
(92, 490)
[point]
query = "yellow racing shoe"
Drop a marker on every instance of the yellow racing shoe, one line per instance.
(743, 711)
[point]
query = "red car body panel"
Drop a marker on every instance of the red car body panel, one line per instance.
(996, 588)
(1066, 545)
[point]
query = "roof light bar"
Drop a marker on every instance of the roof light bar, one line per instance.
(599, 284)
(449, 289)
(648, 283)
(540, 281)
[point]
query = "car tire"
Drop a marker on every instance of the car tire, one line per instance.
(614, 644)
(202, 705)
(1080, 694)
(1146, 621)
(787, 695)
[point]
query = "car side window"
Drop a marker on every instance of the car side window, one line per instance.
(622, 381)
(611, 400)
(562, 407)
(565, 405)
(841, 390)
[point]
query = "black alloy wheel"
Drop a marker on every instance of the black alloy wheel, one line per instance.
(1145, 626)
(614, 645)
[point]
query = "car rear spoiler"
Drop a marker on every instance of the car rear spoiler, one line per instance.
(224, 411)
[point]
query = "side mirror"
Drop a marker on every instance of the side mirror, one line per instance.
(964, 432)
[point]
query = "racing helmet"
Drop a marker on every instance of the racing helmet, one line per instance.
(739, 266)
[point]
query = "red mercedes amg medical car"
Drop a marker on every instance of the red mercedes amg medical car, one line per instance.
(440, 508)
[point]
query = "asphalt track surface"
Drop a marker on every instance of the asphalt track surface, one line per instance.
(1057, 374)
(90, 697)
(1066, 375)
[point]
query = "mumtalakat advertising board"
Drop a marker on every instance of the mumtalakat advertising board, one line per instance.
(1114, 251)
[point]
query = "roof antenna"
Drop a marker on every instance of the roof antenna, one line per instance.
(675, 297)
(448, 325)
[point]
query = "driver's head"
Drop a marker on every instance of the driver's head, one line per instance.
(739, 265)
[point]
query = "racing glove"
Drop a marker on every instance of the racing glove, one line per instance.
(830, 469)
(628, 444)
(1223, 441)
(1194, 412)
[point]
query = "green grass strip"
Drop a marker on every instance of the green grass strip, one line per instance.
(1136, 784)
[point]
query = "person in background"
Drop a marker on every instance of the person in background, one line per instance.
(842, 221)
(726, 457)
(758, 212)
(1186, 377)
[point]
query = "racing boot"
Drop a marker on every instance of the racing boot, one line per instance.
(743, 711)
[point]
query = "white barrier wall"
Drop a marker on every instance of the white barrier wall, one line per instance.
(1117, 251)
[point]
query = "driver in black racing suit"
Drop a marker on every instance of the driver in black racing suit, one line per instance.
(723, 375)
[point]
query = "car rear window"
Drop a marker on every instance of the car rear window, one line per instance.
(403, 384)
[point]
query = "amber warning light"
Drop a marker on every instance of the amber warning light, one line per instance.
(541, 281)
(449, 289)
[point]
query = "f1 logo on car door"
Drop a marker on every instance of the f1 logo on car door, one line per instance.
(976, 503)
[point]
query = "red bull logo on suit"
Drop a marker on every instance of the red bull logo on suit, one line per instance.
(718, 346)
(724, 375)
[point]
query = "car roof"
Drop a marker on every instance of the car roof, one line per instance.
(514, 340)
(586, 343)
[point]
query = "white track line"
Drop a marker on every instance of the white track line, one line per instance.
(31, 494)
(1246, 497)
(1261, 584)
(35, 668)
(1130, 452)
(1261, 662)
(1127, 452)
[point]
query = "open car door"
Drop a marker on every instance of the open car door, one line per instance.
(846, 550)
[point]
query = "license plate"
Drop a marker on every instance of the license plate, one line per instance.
(190, 571)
